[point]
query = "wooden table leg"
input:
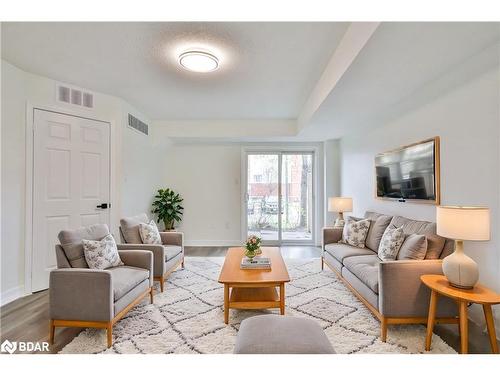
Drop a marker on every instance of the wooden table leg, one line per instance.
(464, 327)
(488, 315)
(431, 319)
(226, 303)
(282, 298)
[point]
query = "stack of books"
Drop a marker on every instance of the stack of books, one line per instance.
(257, 263)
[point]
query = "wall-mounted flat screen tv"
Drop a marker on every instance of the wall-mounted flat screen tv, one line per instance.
(410, 173)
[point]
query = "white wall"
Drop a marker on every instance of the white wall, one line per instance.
(331, 152)
(143, 165)
(467, 120)
(20, 89)
(208, 176)
(13, 182)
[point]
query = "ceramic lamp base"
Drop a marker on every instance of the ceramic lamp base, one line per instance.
(460, 270)
(339, 222)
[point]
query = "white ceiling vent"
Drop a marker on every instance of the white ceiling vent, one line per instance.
(74, 95)
(135, 123)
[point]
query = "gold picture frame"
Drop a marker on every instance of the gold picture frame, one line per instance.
(437, 174)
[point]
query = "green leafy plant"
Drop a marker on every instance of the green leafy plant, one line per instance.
(167, 206)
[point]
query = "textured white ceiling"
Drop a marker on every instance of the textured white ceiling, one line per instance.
(267, 69)
(402, 66)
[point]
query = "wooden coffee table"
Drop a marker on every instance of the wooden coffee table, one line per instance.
(253, 289)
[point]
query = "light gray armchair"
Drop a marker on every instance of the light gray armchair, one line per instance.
(166, 257)
(84, 297)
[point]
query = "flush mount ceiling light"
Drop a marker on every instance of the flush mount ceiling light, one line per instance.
(198, 61)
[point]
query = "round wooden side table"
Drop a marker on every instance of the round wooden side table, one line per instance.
(439, 285)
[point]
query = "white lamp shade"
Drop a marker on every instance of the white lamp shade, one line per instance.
(339, 204)
(463, 223)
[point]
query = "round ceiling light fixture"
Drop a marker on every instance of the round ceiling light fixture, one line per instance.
(198, 61)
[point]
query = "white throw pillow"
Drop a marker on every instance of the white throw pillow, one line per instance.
(150, 233)
(355, 231)
(102, 254)
(390, 243)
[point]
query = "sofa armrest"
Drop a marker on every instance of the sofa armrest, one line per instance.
(172, 238)
(81, 294)
(331, 235)
(402, 294)
(140, 259)
(158, 255)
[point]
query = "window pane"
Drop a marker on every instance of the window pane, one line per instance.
(296, 190)
(262, 204)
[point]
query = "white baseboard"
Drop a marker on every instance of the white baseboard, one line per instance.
(213, 243)
(204, 243)
(11, 295)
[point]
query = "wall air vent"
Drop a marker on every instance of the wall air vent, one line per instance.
(77, 96)
(135, 123)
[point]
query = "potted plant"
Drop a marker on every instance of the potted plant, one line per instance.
(252, 247)
(167, 206)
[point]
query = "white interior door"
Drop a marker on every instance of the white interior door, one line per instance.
(71, 180)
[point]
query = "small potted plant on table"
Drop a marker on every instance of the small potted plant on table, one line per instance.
(252, 246)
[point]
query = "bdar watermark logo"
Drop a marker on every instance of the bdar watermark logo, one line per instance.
(8, 347)
(22, 346)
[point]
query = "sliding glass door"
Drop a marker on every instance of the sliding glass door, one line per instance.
(279, 196)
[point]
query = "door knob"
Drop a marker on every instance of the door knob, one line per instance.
(102, 205)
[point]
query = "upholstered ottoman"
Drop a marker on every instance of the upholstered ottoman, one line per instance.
(276, 334)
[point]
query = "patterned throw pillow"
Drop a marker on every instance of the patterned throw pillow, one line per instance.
(102, 254)
(391, 243)
(355, 232)
(150, 233)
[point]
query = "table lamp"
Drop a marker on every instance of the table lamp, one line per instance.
(462, 224)
(340, 205)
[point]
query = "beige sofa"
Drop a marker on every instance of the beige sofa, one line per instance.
(391, 290)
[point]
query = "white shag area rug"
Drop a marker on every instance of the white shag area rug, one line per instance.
(188, 316)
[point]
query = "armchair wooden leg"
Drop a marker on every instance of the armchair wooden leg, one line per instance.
(109, 331)
(162, 281)
(151, 294)
(182, 264)
(383, 329)
(52, 329)
(322, 264)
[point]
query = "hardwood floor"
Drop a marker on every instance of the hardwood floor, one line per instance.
(27, 319)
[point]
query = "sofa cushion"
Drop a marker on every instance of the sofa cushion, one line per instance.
(391, 243)
(378, 225)
(365, 268)
(130, 228)
(125, 279)
(414, 247)
(341, 251)
(355, 232)
(71, 242)
(435, 243)
(171, 251)
(274, 334)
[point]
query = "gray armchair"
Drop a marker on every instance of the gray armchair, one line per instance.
(166, 257)
(84, 297)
